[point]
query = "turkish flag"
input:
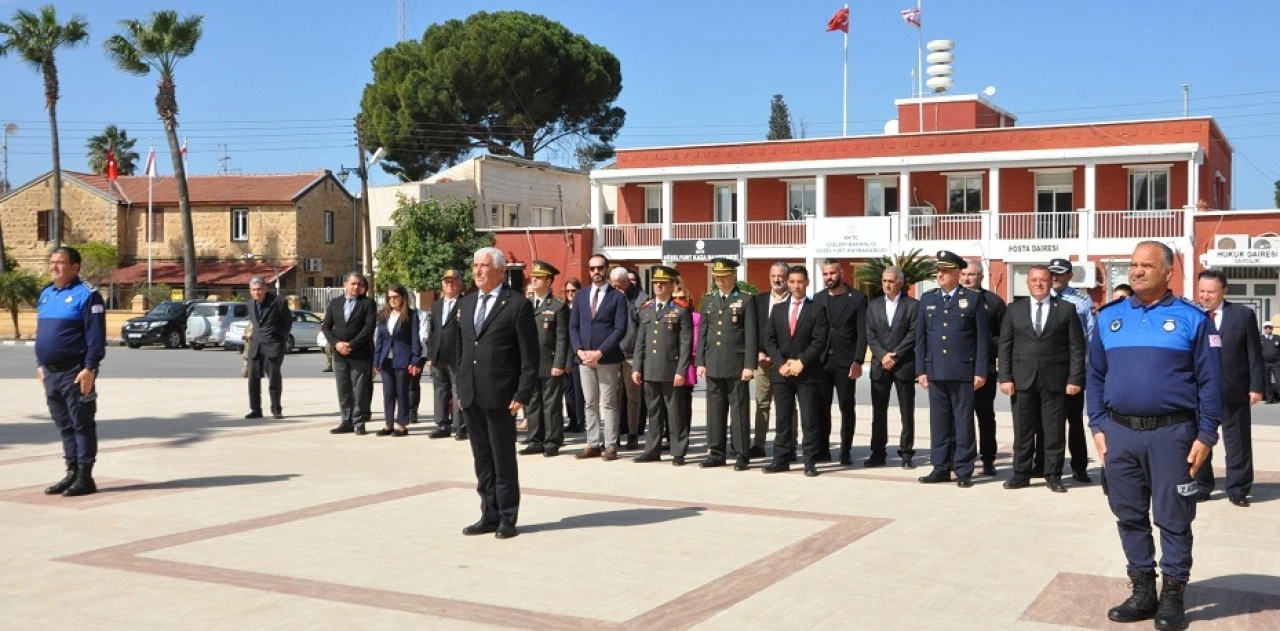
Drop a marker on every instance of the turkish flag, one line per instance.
(839, 21)
(113, 169)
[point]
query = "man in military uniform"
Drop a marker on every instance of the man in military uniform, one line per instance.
(1155, 403)
(1060, 271)
(545, 411)
(663, 351)
(984, 399)
(952, 347)
(728, 342)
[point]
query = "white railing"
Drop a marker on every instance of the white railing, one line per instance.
(633, 235)
(1039, 225)
(942, 227)
(789, 232)
(1137, 224)
(705, 230)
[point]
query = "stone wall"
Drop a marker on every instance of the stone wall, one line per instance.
(87, 216)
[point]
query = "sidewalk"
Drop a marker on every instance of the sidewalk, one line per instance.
(212, 521)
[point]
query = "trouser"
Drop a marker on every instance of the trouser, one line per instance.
(1271, 375)
(447, 405)
(764, 401)
(415, 395)
(545, 412)
(788, 394)
(1237, 441)
(633, 398)
(573, 399)
(600, 393)
(355, 388)
(1144, 471)
(74, 415)
(395, 394)
(1077, 444)
(951, 427)
(906, 391)
(662, 396)
(493, 448)
(728, 401)
(328, 357)
(984, 410)
(270, 367)
(1038, 420)
(837, 386)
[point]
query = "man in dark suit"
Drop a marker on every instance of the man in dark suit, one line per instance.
(1061, 273)
(662, 354)
(796, 340)
(441, 357)
(546, 410)
(727, 360)
(497, 376)
(846, 310)
(1271, 364)
(1042, 350)
(891, 334)
(348, 325)
(1242, 385)
(597, 324)
(952, 343)
(984, 399)
(764, 302)
(270, 322)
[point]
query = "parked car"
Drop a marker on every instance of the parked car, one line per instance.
(165, 323)
(208, 323)
(304, 335)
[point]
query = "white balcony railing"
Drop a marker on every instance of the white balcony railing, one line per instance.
(1038, 225)
(634, 235)
(788, 232)
(957, 227)
(1137, 224)
(705, 230)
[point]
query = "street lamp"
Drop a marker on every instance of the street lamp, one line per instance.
(275, 271)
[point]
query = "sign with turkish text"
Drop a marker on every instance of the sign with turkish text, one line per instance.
(851, 237)
(690, 250)
(1243, 258)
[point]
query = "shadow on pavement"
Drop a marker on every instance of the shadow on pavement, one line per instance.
(177, 431)
(626, 517)
(201, 483)
(1231, 596)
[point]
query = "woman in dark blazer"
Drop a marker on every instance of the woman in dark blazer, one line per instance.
(397, 351)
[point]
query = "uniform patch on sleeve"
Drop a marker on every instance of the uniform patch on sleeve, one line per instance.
(97, 309)
(1215, 341)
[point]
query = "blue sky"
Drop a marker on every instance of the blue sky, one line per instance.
(273, 85)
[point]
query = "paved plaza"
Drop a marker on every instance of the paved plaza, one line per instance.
(206, 520)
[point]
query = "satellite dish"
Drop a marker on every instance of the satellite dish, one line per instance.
(990, 90)
(891, 127)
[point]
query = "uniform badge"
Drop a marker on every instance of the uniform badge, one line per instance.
(931, 307)
(1215, 341)
(69, 299)
(964, 303)
(1169, 325)
(1116, 324)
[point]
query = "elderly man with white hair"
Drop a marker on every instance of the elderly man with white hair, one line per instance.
(270, 322)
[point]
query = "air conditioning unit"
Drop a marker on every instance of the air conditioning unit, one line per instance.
(312, 265)
(1084, 275)
(1230, 242)
(1265, 243)
(926, 212)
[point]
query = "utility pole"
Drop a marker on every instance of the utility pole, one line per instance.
(364, 203)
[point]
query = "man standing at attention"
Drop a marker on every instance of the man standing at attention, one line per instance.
(984, 399)
(546, 410)
(348, 325)
(71, 341)
(620, 278)
(270, 322)
(764, 303)
(1155, 403)
(1271, 364)
(727, 359)
(891, 334)
(442, 358)
(497, 375)
(1061, 272)
(663, 352)
(846, 310)
(597, 323)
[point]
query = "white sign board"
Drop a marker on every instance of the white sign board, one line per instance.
(1242, 258)
(851, 237)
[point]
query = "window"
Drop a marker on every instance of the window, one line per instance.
(802, 199)
(964, 193)
(881, 196)
(384, 233)
(157, 226)
(503, 215)
(544, 216)
(44, 220)
(1148, 188)
(239, 224)
(328, 226)
(610, 218)
(653, 204)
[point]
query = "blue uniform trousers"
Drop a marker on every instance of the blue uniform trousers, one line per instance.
(74, 414)
(951, 427)
(1144, 469)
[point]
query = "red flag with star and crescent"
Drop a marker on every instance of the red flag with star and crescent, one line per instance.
(113, 169)
(839, 21)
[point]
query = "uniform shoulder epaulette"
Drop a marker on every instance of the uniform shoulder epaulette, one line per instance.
(932, 291)
(1117, 300)
(88, 285)
(1199, 307)
(647, 303)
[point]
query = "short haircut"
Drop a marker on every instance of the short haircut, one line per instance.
(73, 255)
(600, 256)
(1166, 252)
(1128, 291)
(826, 262)
(257, 281)
(357, 275)
(977, 265)
(1043, 268)
(618, 272)
(782, 264)
(798, 269)
(1214, 274)
(892, 269)
(496, 257)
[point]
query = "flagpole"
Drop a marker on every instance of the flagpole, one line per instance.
(844, 125)
(920, 65)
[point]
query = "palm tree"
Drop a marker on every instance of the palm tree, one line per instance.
(35, 38)
(158, 45)
(18, 288)
(112, 138)
(915, 267)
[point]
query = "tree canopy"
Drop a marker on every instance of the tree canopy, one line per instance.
(508, 82)
(779, 119)
(430, 236)
(115, 139)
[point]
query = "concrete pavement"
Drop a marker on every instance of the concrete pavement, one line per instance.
(211, 521)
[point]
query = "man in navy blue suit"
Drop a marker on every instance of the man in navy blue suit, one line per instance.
(597, 325)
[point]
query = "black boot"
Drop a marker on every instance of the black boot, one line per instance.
(61, 485)
(1171, 614)
(83, 484)
(1141, 605)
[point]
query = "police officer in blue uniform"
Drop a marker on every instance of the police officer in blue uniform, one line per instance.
(952, 359)
(71, 324)
(1155, 403)
(1061, 273)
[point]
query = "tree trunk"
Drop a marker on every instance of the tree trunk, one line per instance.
(55, 218)
(13, 311)
(184, 209)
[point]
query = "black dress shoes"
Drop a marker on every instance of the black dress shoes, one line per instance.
(1239, 500)
(810, 470)
(742, 464)
(646, 458)
(1055, 484)
(874, 461)
(1202, 498)
(907, 464)
(439, 432)
(551, 451)
(342, 429)
(360, 431)
(462, 435)
(632, 443)
(253, 415)
(846, 458)
(400, 433)
(505, 531)
(756, 452)
(677, 461)
(964, 482)
(530, 450)
(1017, 482)
(1082, 477)
(776, 467)
(386, 431)
(479, 528)
(988, 468)
(279, 416)
(713, 461)
(936, 477)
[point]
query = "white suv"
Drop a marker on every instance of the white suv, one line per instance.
(208, 323)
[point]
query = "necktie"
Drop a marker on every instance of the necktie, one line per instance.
(660, 306)
(537, 304)
(351, 306)
(795, 313)
(1039, 317)
(946, 301)
(258, 306)
(1213, 315)
(482, 311)
(595, 300)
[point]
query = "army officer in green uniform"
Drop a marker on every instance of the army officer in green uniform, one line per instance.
(545, 411)
(664, 348)
(727, 355)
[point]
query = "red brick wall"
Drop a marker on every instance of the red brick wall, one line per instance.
(949, 115)
(567, 250)
(1017, 191)
(845, 196)
(693, 202)
(766, 199)
(630, 204)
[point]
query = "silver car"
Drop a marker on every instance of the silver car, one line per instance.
(304, 335)
(208, 323)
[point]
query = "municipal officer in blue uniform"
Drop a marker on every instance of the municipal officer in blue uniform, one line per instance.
(1154, 408)
(71, 324)
(952, 358)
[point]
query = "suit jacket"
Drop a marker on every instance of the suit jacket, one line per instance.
(635, 298)
(442, 344)
(664, 342)
(808, 344)
(605, 331)
(498, 363)
(403, 344)
(897, 337)
(1242, 368)
(553, 336)
(952, 343)
(847, 318)
(995, 308)
(1054, 359)
(358, 331)
(271, 330)
(761, 303)
(1270, 348)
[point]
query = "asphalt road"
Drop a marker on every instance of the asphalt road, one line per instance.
(154, 362)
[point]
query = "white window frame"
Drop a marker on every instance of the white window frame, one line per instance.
(543, 215)
(1150, 171)
(969, 182)
(504, 215)
(807, 191)
(884, 183)
(383, 233)
(328, 226)
(653, 203)
(239, 224)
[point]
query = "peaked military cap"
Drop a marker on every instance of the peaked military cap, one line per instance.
(544, 269)
(723, 267)
(950, 260)
(451, 273)
(664, 274)
(1059, 266)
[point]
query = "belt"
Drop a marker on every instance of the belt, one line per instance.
(62, 367)
(1143, 423)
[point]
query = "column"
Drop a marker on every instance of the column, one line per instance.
(597, 213)
(904, 207)
(1089, 218)
(668, 213)
(992, 231)
(742, 212)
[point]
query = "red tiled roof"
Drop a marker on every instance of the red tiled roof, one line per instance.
(206, 273)
(207, 189)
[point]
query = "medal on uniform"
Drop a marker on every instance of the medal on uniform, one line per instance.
(1116, 324)
(964, 303)
(1169, 325)
(546, 325)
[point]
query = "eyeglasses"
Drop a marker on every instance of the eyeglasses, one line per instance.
(396, 296)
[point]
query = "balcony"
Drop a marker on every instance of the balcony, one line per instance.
(705, 230)
(1032, 226)
(635, 235)
(955, 227)
(789, 232)
(1138, 224)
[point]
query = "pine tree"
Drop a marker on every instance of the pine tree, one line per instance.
(779, 120)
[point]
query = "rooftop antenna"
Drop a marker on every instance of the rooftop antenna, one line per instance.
(1186, 100)
(400, 15)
